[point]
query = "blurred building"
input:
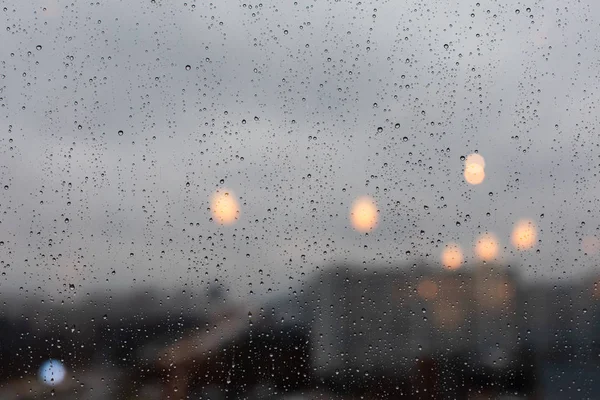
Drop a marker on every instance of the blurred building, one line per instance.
(416, 331)
(420, 331)
(232, 354)
(382, 324)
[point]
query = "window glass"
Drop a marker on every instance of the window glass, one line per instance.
(299, 199)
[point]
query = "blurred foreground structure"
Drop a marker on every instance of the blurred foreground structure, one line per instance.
(419, 332)
(416, 332)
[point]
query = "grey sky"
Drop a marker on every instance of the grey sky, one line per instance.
(320, 78)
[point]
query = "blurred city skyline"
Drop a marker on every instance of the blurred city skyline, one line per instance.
(347, 328)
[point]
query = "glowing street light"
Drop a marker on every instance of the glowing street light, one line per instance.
(225, 208)
(590, 245)
(427, 289)
(452, 256)
(474, 169)
(524, 235)
(363, 214)
(475, 158)
(487, 247)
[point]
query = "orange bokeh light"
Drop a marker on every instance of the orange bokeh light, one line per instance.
(487, 247)
(475, 159)
(591, 245)
(452, 256)
(427, 289)
(474, 169)
(524, 235)
(225, 207)
(474, 174)
(363, 214)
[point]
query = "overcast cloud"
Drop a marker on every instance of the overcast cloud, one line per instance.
(281, 104)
